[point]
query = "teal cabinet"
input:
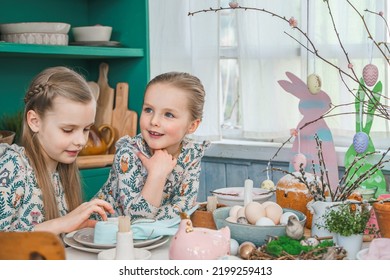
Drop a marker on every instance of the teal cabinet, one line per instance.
(19, 63)
(92, 180)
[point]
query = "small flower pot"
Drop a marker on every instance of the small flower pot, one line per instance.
(382, 213)
(352, 244)
(204, 218)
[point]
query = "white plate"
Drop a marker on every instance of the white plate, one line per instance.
(69, 240)
(85, 236)
(158, 243)
(140, 254)
(361, 255)
(259, 195)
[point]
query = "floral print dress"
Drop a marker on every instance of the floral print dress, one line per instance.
(128, 176)
(21, 206)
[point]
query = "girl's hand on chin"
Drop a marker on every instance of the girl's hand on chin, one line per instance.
(161, 162)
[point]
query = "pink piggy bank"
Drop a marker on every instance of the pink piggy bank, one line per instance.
(198, 243)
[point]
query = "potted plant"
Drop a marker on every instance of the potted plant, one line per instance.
(12, 122)
(348, 221)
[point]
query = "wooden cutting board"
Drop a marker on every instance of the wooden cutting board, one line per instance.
(106, 98)
(124, 120)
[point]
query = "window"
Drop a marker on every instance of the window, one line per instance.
(241, 55)
(255, 53)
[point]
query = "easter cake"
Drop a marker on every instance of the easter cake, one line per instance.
(292, 193)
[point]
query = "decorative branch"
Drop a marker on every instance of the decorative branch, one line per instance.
(348, 183)
(312, 48)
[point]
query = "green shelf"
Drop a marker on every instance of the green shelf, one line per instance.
(30, 50)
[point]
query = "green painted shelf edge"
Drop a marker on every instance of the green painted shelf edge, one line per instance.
(30, 50)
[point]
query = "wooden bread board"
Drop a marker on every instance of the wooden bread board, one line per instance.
(124, 121)
(94, 161)
(105, 101)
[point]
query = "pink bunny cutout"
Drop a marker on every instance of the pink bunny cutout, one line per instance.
(312, 106)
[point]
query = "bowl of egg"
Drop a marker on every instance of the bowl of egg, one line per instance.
(255, 222)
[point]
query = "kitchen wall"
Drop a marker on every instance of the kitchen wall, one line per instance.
(229, 167)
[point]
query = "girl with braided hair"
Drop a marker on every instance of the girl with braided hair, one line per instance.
(42, 191)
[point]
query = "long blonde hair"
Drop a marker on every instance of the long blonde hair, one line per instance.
(51, 83)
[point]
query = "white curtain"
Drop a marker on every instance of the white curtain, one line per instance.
(179, 42)
(191, 43)
(266, 53)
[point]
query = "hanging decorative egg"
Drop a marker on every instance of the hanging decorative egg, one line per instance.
(360, 142)
(233, 4)
(370, 74)
(299, 159)
(267, 185)
(314, 83)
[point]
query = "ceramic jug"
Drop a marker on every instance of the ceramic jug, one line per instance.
(99, 140)
(318, 209)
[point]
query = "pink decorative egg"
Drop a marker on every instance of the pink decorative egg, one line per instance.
(370, 74)
(233, 4)
(360, 142)
(299, 159)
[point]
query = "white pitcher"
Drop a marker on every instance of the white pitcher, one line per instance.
(318, 209)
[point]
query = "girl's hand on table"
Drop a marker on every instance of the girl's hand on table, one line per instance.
(78, 218)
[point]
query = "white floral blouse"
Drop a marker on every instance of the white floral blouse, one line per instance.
(128, 176)
(21, 205)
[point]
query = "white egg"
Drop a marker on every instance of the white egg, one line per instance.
(274, 211)
(254, 211)
(264, 221)
(241, 212)
(231, 219)
(234, 247)
(284, 217)
(233, 211)
(229, 258)
(268, 202)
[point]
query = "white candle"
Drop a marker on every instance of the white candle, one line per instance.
(248, 189)
(212, 202)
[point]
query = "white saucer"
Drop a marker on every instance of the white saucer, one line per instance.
(140, 254)
(361, 255)
(68, 240)
(85, 236)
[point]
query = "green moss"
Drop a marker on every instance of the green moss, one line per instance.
(292, 246)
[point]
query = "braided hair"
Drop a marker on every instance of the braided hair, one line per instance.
(44, 88)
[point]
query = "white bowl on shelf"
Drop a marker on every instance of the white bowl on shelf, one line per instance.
(34, 27)
(96, 33)
(39, 33)
(36, 38)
